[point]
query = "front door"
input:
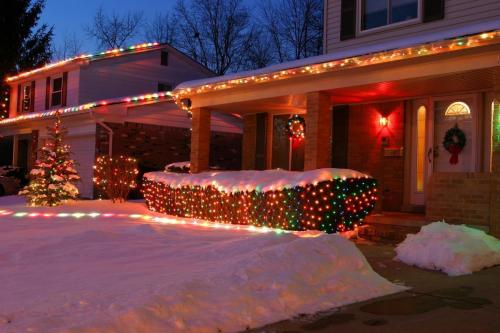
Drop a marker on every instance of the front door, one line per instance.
(451, 116)
(431, 120)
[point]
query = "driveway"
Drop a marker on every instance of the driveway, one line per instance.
(436, 303)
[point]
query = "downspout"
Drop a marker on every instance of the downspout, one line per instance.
(109, 130)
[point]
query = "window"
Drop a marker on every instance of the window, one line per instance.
(421, 114)
(379, 13)
(457, 109)
(162, 86)
(57, 91)
(164, 58)
(26, 98)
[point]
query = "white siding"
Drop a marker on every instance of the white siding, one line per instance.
(458, 13)
(40, 90)
(135, 74)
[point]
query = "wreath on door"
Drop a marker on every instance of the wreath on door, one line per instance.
(454, 142)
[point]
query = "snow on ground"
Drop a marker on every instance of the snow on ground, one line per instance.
(248, 180)
(65, 269)
(453, 249)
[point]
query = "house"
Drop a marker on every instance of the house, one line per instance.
(114, 102)
(395, 80)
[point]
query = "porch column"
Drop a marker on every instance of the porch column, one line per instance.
(200, 140)
(15, 150)
(249, 142)
(495, 176)
(318, 131)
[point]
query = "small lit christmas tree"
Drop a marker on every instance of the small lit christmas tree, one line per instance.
(52, 180)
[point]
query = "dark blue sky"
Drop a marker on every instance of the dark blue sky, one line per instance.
(69, 16)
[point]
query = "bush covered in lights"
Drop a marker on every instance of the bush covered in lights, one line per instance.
(331, 206)
(116, 176)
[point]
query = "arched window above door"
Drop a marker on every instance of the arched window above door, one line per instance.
(457, 109)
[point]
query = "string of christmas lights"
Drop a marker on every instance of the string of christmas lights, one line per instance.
(90, 57)
(88, 106)
(332, 206)
(455, 44)
(145, 217)
(116, 176)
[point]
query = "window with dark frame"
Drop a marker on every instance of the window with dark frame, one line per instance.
(164, 58)
(26, 98)
(56, 93)
(379, 13)
(162, 86)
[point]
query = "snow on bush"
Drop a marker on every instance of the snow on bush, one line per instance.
(116, 274)
(453, 249)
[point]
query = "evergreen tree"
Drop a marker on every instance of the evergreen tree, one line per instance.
(53, 177)
(24, 44)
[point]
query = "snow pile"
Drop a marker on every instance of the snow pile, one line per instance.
(453, 249)
(178, 166)
(262, 181)
(119, 274)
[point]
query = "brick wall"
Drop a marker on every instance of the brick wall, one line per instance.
(458, 197)
(365, 148)
(156, 146)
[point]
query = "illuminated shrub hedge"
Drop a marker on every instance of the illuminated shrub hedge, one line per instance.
(330, 206)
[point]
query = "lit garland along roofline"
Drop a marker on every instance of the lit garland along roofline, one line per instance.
(326, 66)
(131, 100)
(89, 57)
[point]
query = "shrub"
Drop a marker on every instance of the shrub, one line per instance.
(116, 176)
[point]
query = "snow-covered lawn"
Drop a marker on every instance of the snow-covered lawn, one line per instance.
(453, 249)
(118, 272)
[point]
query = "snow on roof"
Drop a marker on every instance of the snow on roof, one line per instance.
(249, 180)
(347, 53)
(91, 57)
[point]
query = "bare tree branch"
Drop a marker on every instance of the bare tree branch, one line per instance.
(162, 29)
(295, 27)
(214, 32)
(70, 47)
(113, 31)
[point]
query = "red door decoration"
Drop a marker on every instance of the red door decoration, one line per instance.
(454, 142)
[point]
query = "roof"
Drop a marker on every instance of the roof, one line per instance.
(128, 101)
(91, 57)
(432, 43)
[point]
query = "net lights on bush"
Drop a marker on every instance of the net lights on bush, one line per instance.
(90, 57)
(332, 206)
(116, 176)
(444, 46)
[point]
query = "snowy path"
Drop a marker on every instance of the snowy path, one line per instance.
(118, 273)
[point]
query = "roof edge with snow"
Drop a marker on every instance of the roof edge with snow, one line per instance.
(491, 29)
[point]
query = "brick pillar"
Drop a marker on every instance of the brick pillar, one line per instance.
(249, 142)
(318, 131)
(200, 140)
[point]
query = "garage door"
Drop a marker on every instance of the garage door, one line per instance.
(83, 152)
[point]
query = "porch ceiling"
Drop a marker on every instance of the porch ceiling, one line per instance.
(468, 81)
(477, 80)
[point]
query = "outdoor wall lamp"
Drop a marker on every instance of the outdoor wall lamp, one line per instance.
(383, 121)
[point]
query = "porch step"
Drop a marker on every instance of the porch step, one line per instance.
(391, 227)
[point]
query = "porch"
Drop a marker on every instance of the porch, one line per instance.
(387, 119)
